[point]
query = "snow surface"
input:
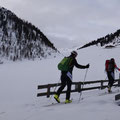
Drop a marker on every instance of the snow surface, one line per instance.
(19, 81)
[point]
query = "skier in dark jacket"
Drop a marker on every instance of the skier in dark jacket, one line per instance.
(66, 78)
(110, 68)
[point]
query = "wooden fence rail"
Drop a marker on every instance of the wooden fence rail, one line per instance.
(77, 87)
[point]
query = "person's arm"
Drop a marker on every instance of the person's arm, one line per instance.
(117, 67)
(80, 66)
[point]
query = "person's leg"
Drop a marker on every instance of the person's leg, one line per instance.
(109, 78)
(63, 84)
(112, 79)
(69, 82)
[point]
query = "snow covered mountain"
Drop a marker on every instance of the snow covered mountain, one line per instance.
(109, 41)
(20, 39)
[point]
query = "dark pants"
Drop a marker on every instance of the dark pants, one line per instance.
(110, 78)
(65, 80)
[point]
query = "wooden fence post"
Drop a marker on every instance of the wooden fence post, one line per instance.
(48, 91)
(119, 81)
(101, 84)
(79, 87)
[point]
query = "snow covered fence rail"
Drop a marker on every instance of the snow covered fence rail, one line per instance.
(77, 86)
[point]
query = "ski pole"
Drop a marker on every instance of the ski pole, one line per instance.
(106, 78)
(83, 84)
(119, 80)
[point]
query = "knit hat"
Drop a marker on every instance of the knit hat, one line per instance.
(74, 53)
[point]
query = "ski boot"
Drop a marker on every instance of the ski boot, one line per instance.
(68, 101)
(56, 97)
(109, 89)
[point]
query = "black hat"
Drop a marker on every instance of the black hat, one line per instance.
(112, 59)
(74, 53)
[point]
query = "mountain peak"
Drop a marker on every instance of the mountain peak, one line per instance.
(19, 39)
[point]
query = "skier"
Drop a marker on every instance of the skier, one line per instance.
(66, 78)
(110, 68)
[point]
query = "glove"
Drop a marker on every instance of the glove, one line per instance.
(87, 66)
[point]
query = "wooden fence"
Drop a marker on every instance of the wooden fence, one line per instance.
(76, 87)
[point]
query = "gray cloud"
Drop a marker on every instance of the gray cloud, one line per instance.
(76, 21)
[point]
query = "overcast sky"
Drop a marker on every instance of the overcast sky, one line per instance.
(76, 21)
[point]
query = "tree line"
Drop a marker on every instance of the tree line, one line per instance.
(113, 37)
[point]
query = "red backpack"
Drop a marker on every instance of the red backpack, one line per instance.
(106, 65)
(109, 65)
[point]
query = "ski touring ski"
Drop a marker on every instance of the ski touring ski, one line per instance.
(57, 103)
(54, 104)
(107, 93)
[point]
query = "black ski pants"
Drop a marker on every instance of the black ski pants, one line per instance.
(65, 80)
(110, 78)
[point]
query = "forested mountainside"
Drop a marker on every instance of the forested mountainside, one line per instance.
(110, 40)
(20, 39)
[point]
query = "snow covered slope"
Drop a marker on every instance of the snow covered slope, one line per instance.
(18, 89)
